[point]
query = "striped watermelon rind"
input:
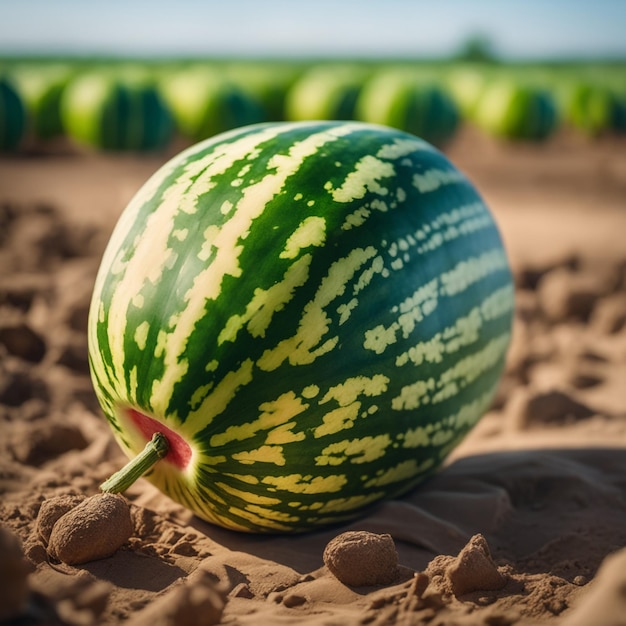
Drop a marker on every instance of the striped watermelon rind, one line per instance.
(313, 313)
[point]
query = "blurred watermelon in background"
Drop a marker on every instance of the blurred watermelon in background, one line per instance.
(593, 107)
(510, 74)
(466, 83)
(205, 101)
(412, 101)
(266, 82)
(116, 109)
(12, 115)
(41, 86)
(326, 92)
(514, 109)
(138, 106)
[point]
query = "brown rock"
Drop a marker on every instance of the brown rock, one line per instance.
(95, 529)
(360, 558)
(14, 570)
(52, 510)
(474, 569)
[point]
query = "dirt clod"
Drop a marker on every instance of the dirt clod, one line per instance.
(360, 558)
(52, 510)
(474, 569)
(95, 529)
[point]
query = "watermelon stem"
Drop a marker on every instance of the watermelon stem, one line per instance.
(154, 450)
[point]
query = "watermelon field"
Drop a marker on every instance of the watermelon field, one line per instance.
(315, 341)
(146, 106)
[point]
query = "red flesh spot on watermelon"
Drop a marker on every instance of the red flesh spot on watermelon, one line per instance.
(179, 453)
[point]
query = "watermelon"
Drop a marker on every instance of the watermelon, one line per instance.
(13, 115)
(592, 107)
(116, 110)
(411, 102)
(516, 110)
(313, 315)
(325, 92)
(266, 83)
(205, 102)
(466, 84)
(42, 87)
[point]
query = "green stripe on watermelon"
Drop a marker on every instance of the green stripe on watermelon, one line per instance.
(320, 310)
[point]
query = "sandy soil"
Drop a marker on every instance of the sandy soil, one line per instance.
(525, 525)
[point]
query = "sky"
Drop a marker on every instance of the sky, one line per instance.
(328, 28)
